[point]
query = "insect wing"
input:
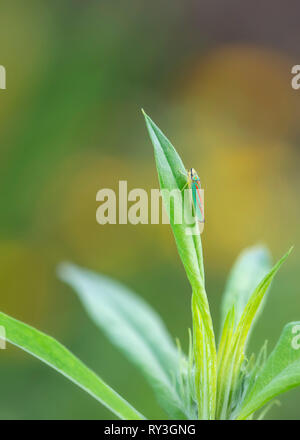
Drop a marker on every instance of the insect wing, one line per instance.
(198, 200)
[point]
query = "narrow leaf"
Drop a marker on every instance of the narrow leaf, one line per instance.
(230, 365)
(54, 354)
(251, 309)
(249, 269)
(280, 373)
(172, 178)
(133, 326)
(205, 360)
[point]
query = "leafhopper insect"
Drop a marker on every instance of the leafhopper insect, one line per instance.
(193, 181)
(195, 185)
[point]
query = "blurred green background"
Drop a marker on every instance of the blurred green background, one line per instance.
(216, 78)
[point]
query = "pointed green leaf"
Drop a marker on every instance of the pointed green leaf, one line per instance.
(172, 178)
(251, 309)
(133, 326)
(52, 353)
(280, 373)
(230, 365)
(249, 269)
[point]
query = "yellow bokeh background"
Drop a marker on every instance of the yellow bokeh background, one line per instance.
(77, 76)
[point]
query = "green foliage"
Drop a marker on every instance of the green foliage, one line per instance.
(208, 383)
(134, 327)
(220, 380)
(171, 173)
(54, 354)
(231, 359)
(251, 266)
(280, 372)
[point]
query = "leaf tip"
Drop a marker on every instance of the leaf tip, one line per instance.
(147, 119)
(285, 255)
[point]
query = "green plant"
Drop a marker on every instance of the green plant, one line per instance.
(207, 383)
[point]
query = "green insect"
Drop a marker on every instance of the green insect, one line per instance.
(195, 185)
(193, 181)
